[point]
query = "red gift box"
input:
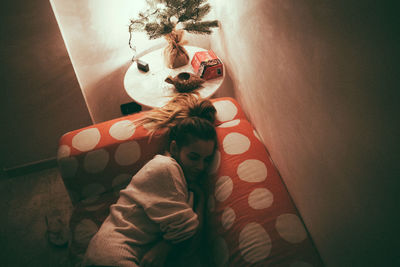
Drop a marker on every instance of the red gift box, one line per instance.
(207, 65)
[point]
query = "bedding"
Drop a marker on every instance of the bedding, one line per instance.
(252, 220)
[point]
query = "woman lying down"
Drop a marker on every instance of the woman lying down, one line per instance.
(158, 218)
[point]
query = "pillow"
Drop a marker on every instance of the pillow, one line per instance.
(227, 109)
(252, 219)
(96, 159)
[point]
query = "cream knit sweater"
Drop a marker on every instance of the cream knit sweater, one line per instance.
(156, 204)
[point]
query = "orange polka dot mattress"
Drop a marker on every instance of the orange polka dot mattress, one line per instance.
(251, 219)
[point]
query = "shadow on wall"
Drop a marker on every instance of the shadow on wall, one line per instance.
(111, 88)
(96, 35)
(227, 86)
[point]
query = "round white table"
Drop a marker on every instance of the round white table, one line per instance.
(151, 90)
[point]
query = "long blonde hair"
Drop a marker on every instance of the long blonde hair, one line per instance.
(184, 114)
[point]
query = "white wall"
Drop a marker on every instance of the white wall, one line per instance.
(317, 79)
(96, 35)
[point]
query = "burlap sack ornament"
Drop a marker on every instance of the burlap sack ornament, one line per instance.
(175, 55)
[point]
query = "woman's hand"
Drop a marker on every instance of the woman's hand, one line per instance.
(157, 255)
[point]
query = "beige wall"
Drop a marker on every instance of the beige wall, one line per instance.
(40, 96)
(317, 79)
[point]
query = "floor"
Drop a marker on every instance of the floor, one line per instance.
(25, 201)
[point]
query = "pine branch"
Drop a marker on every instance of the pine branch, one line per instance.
(194, 11)
(190, 5)
(156, 21)
(201, 12)
(177, 4)
(174, 7)
(201, 27)
(136, 25)
(155, 30)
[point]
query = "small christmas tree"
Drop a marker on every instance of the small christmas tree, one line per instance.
(162, 18)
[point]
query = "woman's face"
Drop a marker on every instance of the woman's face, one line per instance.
(194, 158)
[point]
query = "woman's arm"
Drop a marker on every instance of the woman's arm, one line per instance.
(158, 254)
(162, 193)
(191, 245)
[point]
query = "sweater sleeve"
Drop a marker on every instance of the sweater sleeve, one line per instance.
(160, 189)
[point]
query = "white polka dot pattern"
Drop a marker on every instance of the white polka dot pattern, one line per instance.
(226, 110)
(223, 188)
(290, 228)
(122, 178)
(235, 143)
(221, 252)
(63, 151)
(252, 170)
(260, 198)
(239, 208)
(230, 124)
(127, 153)
(96, 161)
(86, 140)
(84, 231)
(120, 182)
(148, 126)
(91, 193)
(254, 243)
(228, 218)
(122, 130)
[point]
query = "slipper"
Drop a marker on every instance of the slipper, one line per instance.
(57, 232)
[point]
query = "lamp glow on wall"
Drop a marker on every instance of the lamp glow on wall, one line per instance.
(96, 35)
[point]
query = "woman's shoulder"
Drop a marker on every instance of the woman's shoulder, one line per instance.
(162, 164)
(161, 171)
(162, 160)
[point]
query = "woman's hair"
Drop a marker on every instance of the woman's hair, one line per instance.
(185, 116)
